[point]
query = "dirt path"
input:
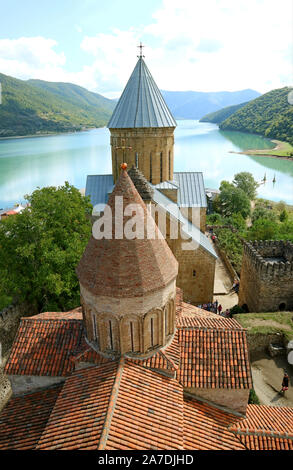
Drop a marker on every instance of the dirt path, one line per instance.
(267, 374)
(222, 285)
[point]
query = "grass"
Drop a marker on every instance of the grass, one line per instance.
(267, 323)
(282, 149)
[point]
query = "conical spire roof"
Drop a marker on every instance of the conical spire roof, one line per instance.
(140, 182)
(141, 103)
(123, 267)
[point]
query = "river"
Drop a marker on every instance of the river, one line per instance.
(28, 163)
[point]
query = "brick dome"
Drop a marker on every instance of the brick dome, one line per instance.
(126, 267)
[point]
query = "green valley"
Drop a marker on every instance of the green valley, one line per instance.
(39, 107)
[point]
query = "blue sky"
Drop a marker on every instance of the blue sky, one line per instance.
(209, 45)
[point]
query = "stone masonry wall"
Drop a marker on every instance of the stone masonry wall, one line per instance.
(148, 144)
(235, 399)
(266, 286)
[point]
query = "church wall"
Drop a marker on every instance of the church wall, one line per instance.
(130, 305)
(235, 399)
(197, 288)
(149, 144)
(196, 215)
(30, 383)
(130, 325)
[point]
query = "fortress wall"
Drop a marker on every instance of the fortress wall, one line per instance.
(266, 285)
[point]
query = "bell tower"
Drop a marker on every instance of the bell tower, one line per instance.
(142, 128)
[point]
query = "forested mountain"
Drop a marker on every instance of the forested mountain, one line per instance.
(195, 104)
(270, 115)
(219, 116)
(36, 106)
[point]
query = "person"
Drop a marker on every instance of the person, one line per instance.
(285, 383)
(220, 309)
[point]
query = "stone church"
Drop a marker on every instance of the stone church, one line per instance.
(135, 368)
(142, 135)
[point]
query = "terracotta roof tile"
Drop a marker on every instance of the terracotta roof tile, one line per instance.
(24, 419)
(78, 416)
(148, 412)
(167, 358)
(265, 428)
(75, 314)
(127, 267)
(44, 347)
(215, 358)
(206, 427)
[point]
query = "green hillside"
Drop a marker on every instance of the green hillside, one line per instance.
(270, 115)
(35, 107)
(219, 116)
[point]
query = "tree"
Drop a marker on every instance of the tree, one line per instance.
(41, 247)
(284, 216)
(261, 212)
(263, 229)
(247, 183)
(232, 200)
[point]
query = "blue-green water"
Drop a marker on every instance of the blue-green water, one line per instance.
(28, 163)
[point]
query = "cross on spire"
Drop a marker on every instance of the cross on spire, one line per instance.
(140, 52)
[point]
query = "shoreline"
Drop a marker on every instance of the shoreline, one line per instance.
(266, 152)
(29, 136)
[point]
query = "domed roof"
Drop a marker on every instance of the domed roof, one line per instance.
(123, 267)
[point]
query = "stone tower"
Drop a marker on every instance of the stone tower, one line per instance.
(142, 128)
(127, 284)
(267, 276)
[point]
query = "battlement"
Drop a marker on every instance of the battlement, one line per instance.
(271, 258)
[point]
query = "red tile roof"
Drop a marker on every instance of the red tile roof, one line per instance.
(116, 406)
(127, 267)
(44, 347)
(78, 416)
(148, 412)
(24, 418)
(206, 427)
(167, 358)
(75, 314)
(265, 428)
(214, 358)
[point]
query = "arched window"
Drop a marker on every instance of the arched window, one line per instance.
(95, 329)
(130, 334)
(151, 168)
(136, 160)
(161, 167)
(108, 329)
(152, 329)
(194, 273)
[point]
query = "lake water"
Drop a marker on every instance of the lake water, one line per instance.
(28, 163)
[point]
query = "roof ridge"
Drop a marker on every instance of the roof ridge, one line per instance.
(111, 406)
(163, 354)
(50, 319)
(261, 432)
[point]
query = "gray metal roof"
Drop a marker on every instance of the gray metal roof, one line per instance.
(188, 228)
(141, 103)
(98, 188)
(191, 189)
(167, 185)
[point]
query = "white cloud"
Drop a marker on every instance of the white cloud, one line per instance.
(30, 57)
(190, 45)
